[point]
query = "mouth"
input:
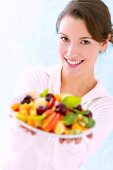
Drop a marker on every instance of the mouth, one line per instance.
(72, 63)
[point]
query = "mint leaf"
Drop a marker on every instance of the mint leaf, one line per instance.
(90, 123)
(69, 119)
(44, 93)
(86, 112)
(71, 101)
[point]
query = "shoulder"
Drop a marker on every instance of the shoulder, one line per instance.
(42, 70)
(105, 101)
(99, 100)
(37, 78)
(39, 72)
(102, 107)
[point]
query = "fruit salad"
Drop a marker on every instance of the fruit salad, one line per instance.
(56, 113)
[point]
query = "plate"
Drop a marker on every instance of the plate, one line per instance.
(42, 132)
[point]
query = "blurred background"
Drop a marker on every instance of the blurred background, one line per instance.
(28, 37)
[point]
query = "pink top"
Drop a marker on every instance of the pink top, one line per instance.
(46, 153)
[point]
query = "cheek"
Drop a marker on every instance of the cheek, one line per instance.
(60, 48)
(91, 54)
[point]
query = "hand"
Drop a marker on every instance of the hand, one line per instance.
(24, 128)
(27, 130)
(76, 140)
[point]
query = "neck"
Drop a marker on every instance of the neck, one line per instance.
(77, 85)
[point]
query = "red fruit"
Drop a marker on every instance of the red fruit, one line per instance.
(27, 99)
(90, 115)
(51, 103)
(79, 107)
(61, 108)
(50, 122)
(41, 109)
(49, 97)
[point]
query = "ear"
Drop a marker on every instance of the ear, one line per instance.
(105, 43)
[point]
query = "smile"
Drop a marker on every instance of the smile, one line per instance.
(74, 63)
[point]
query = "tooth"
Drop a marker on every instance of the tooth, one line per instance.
(74, 62)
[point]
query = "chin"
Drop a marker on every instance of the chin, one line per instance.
(71, 72)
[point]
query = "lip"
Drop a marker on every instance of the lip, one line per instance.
(73, 65)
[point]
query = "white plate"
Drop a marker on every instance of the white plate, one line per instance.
(69, 136)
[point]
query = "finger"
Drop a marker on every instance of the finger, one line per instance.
(10, 115)
(25, 129)
(90, 136)
(33, 133)
(78, 140)
(61, 140)
(21, 126)
(68, 140)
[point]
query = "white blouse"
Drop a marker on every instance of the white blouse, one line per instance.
(40, 152)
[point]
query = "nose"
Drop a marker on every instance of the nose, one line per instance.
(72, 51)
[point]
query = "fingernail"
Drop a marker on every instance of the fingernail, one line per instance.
(68, 140)
(61, 141)
(90, 136)
(77, 141)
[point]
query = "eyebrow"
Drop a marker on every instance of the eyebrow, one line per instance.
(86, 38)
(62, 34)
(80, 38)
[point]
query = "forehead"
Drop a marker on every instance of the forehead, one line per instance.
(71, 26)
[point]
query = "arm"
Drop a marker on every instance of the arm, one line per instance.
(18, 137)
(72, 156)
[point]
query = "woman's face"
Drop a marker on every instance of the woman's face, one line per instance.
(76, 48)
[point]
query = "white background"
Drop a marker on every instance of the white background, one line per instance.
(28, 37)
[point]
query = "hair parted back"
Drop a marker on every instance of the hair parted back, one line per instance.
(95, 14)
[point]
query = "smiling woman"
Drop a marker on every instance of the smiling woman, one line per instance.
(75, 48)
(79, 45)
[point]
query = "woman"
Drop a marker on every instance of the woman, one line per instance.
(84, 30)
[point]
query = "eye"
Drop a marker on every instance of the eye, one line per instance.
(85, 42)
(65, 39)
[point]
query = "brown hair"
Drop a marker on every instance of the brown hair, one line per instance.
(95, 14)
